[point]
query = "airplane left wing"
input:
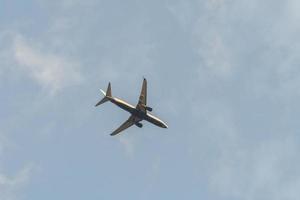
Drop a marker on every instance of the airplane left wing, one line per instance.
(129, 122)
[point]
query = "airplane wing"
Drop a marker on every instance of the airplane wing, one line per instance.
(143, 97)
(129, 122)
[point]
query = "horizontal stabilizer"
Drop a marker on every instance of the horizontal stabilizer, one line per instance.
(106, 94)
(102, 101)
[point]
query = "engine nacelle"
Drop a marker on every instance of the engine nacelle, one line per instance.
(138, 124)
(149, 109)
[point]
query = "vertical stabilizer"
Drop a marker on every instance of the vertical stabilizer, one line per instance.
(108, 91)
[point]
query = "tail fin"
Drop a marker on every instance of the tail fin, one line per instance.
(108, 91)
(106, 94)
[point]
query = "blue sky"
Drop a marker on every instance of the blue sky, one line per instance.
(224, 75)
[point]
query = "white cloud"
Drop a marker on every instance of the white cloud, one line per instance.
(53, 72)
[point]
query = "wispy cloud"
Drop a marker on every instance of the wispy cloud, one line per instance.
(203, 21)
(70, 3)
(52, 71)
(128, 144)
(216, 55)
(10, 186)
(241, 166)
(268, 171)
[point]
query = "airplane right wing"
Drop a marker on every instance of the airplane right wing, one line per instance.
(143, 97)
(129, 122)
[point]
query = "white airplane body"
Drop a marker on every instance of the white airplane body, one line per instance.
(138, 113)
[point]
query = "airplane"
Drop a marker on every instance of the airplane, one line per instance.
(138, 113)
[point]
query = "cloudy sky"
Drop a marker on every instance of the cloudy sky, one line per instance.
(223, 74)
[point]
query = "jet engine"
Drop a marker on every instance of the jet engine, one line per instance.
(149, 109)
(138, 124)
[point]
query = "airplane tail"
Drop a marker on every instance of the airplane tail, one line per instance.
(106, 94)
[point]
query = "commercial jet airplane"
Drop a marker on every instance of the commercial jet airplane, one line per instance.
(138, 113)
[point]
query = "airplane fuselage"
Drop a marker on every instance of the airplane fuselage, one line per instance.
(138, 113)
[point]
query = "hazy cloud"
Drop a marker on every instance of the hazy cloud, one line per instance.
(128, 144)
(11, 185)
(266, 171)
(53, 72)
(237, 117)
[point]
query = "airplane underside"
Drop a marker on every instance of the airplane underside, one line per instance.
(142, 115)
(138, 113)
